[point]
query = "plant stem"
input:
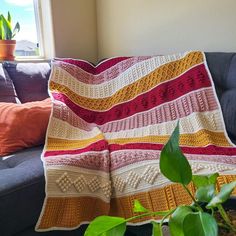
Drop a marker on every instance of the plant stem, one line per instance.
(212, 212)
(165, 216)
(190, 194)
(225, 217)
(223, 226)
(160, 213)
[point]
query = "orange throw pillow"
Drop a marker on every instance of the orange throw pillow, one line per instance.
(23, 125)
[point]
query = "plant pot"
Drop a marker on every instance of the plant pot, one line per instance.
(230, 204)
(7, 49)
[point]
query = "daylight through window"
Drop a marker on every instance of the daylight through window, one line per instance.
(25, 12)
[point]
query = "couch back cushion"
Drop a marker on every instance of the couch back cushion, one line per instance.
(223, 70)
(7, 89)
(30, 80)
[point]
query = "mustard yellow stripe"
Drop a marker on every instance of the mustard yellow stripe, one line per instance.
(160, 199)
(161, 74)
(198, 139)
(64, 144)
(75, 210)
(85, 208)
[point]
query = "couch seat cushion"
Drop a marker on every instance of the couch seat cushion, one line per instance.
(21, 190)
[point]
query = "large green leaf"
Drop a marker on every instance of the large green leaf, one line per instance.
(138, 207)
(106, 225)
(204, 180)
(176, 220)
(156, 229)
(205, 186)
(205, 193)
(117, 231)
(200, 224)
(223, 195)
(173, 164)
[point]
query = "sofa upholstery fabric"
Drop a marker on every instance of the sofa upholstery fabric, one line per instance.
(223, 70)
(7, 89)
(30, 80)
(21, 190)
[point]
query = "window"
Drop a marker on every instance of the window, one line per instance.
(28, 40)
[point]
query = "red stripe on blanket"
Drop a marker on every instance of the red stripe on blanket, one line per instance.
(106, 64)
(194, 79)
(105, 76)
(209, 150)
(157, 115)
(102, 145)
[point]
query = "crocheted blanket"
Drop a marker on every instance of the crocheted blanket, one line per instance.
(108, 126)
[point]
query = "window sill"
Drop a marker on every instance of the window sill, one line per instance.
(31, 59)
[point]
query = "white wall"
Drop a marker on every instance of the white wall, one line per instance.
(74, 28)
(145, 27)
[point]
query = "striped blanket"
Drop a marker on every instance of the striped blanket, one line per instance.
(107, 128)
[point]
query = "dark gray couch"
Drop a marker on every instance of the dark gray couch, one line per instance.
(21, 176)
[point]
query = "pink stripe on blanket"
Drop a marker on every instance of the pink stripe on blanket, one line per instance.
(162, 93)
(93, 161)
(123, 158)
(104, 65)
(64, 113)
(185, 106)
(104, 76)
(119, 159)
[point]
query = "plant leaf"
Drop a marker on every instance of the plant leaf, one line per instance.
(156, 229)
(9, 17)
(173, 164)
(1, 29)
(200, 224)
(16, 29)
(176, 220)
(6, 29)
(223, 195)
(204, 180)
(205, 193)
(138, 207)
(117, 231)
(106, 224)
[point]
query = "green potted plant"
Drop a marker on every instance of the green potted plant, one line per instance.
(7, 33)
(206, 216)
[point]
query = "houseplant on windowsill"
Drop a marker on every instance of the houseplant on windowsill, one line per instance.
(7, 33)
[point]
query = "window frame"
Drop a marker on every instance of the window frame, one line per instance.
(39, 31)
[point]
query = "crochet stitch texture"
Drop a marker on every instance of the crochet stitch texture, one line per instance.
(108, 126)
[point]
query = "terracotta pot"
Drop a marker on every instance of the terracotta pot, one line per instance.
(7, 49)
